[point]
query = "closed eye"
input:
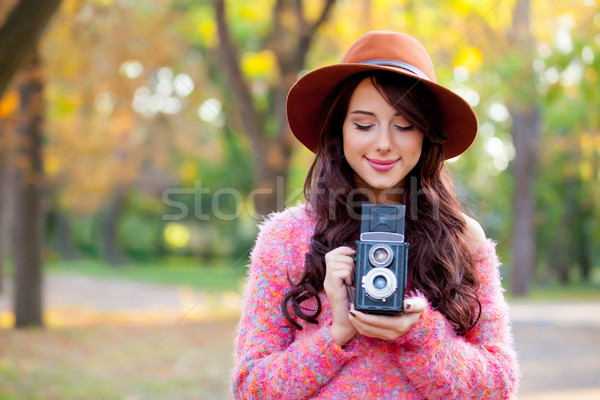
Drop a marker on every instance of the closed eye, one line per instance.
(405, 128)
(363, 127)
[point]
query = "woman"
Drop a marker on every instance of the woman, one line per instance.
(381, 128)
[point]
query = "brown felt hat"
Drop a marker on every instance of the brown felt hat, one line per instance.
(382, 51)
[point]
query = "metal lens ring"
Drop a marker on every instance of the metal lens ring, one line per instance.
(381, 255)
(380, 283)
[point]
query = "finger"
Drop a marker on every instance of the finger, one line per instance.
(414, 305)
(347, 260)
(392, 322)
(343, 275)
(339, 267)
(374, 331)
(337, 257)
(346, 250)
(380, 321)
(342, 250)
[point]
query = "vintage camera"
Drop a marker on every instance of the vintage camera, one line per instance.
(381, 260)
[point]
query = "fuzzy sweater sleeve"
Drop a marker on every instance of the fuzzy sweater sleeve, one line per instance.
(481, 365)
(271, 360)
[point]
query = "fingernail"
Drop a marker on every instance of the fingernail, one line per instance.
(351, 313)
(408, 306)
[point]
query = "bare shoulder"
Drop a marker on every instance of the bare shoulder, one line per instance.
(474, 231)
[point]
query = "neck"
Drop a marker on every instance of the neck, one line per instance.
(391, 195)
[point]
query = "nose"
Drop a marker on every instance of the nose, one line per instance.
(384, 140)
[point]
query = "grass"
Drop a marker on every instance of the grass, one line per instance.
(575, 291)
(117, 362)
(116, 359)
(220, 276)
(555, 292)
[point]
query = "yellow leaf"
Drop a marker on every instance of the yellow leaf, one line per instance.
(470, 58)
(586, 171)
(207, 29)
(51, 165)
(70, 6)
(176, 235)
(258, 65)
(9, 104)
(591, 75)
(188, 172)
(7, 319)
(586, 143)
(250, 12)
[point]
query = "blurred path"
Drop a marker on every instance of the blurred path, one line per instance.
(559, 349)
(558, 343)
(73, 300)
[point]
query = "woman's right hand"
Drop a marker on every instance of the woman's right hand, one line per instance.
(339, 266)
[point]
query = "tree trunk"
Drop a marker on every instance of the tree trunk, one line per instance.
(272, 175)
(7, 190)
(112, 253)
(63, 232)
(563, 242)
(584, 238)
(3, 198)
(28, 212)
(584, 252)
(525, 132)
(20, 34)
(7, 204)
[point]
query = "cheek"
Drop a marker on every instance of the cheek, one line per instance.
(416, 145)
(348, 141)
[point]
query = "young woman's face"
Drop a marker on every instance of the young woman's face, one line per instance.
(380, 145)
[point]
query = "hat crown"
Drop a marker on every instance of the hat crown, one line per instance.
(388, 45)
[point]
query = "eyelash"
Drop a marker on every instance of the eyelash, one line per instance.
(367, 127)
(363, 127)
(405, 128)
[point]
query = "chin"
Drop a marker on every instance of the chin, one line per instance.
(385, 185)
(383, 188)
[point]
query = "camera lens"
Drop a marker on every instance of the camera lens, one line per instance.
(381, 255)
(379, 283)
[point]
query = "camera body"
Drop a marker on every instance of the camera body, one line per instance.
(381, 260)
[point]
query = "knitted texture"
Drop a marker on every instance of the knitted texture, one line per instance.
(274, 361)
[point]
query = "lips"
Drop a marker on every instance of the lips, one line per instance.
(381, 165)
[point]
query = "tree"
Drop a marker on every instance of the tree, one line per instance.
(20, 34)
(28, 209)
(267, 128)
(526, 138)
(8, 109)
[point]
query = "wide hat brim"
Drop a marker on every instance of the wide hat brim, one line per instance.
(306, 98)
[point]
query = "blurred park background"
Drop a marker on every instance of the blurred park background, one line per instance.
(142, 141)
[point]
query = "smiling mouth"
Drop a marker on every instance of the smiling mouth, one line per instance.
(382, 165)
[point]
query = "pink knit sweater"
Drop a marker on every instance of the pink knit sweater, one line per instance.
(274, 361)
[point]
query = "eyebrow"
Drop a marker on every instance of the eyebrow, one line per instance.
(371, 113)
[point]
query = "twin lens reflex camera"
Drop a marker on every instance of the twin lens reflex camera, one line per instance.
(381, 260)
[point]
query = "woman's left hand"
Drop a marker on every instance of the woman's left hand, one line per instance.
(389, 327)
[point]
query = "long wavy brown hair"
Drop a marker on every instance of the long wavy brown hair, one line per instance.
(441, 262)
